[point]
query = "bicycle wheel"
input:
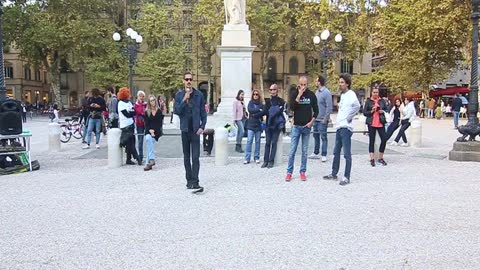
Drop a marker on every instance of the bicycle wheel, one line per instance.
(65, 133)
(77, 131)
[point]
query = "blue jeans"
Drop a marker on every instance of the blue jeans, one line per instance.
(456, 115)
(297, 132)
(248, 152)
(431, 113)
(150, 141)
(240, 130)
(320, 132)
(343, 139)
(141, 135)
(97, 124)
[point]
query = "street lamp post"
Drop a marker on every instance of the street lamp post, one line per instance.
(3, 94)
(131, 50)
(326, 52)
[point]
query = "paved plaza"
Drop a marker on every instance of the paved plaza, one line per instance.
(421, 211)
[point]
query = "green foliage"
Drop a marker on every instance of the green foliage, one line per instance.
(269, 22)
(110, 67)
(164, 66)
(422, 39)
(47, 32)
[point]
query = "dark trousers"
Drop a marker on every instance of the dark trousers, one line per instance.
(130, 147)
(372, 133)
(141, 135)
(83, 116)
(343, 139)
(271, 144)
(191, 151)
(208, 140)
(24, 117)
(113, 123)
(401, 133)
(391, 129)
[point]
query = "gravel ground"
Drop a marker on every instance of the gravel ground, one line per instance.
(415, 213)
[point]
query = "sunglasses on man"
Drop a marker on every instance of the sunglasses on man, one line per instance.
(188, 79)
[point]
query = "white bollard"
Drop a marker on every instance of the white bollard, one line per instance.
(221, 146)
(416, 133)
(279, 153)
(359, 123)
(54, 137)
(115, 153)
(176, 121)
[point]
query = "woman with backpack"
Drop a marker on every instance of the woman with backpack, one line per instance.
(254, 126)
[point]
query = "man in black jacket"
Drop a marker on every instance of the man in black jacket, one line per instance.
(274, 109)
(303, 104)
(456, 105)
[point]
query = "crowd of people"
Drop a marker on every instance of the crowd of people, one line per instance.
(309, 112)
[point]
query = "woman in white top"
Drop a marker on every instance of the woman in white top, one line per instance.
(408, 115)
(126, 112)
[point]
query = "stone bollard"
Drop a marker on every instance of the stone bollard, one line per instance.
(115, 153)
(279, 153)
(416, 133)
(54, 137)
(359, 123)
(221, 146)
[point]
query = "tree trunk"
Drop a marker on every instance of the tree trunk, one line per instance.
(54, 75)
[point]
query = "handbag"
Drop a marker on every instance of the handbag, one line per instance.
(127, 134)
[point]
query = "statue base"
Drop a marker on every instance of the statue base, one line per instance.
(465, 151)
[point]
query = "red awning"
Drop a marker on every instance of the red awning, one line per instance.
(449, 91)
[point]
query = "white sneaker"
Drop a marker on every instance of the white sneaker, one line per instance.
(257, 161)
(246, 162)
(97, 146)
(394, 143)
(324, 159)
(314, 156)
(86, 146)
(404, 144)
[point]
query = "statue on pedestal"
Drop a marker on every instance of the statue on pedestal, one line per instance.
(235, 11)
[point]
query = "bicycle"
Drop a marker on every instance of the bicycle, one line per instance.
(71, 128)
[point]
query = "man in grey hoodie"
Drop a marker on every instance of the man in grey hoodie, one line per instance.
(324, 100)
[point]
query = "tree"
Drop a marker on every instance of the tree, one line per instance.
(208, 26)
(49, 33)
(164, 59)
(269, 24)
(423, 40)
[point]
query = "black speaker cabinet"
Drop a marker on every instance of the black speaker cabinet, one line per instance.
(10, 117)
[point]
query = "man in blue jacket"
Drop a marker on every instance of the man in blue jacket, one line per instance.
(456, 105)
(190, 108)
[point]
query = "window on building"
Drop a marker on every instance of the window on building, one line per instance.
(346, 66)
(206, 65)
(45, 77)
(293, 65)
(187, 42)
(167, 41)
(8, 71)
(311, 63)
(27, 73)
(293, 43)
(188, 64)
(37, 75)
(170, 17)
(272, 69)
(168, 2)
(187, 18)
(64, 80)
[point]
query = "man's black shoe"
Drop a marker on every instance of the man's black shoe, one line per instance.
(129, 162)
(264, 165)
(345, 181)
(196, 189)
(270, 165)
(330, 177)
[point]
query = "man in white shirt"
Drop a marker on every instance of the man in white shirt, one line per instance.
(348, 108)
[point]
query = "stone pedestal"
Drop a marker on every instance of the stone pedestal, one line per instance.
(54, 131)
(115, 152)
(221, 146)
(465, 151)
(236, 71)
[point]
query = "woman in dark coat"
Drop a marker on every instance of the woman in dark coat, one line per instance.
(254, 126)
